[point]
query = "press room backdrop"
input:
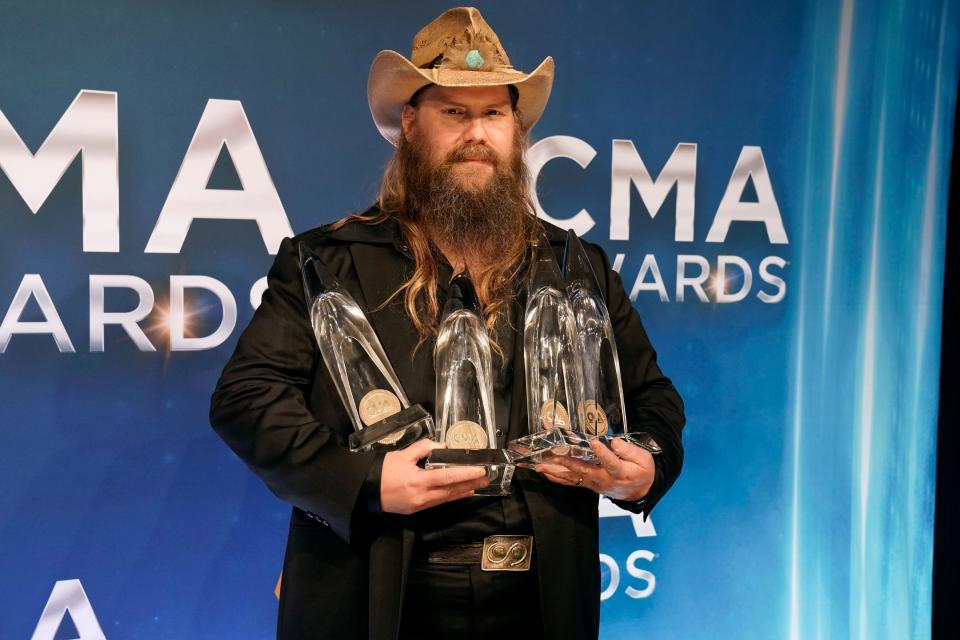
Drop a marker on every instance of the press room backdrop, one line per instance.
(769, 176)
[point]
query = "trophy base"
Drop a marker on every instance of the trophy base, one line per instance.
(496, 462)
(641, 439)
(394, 432)
(551, 443)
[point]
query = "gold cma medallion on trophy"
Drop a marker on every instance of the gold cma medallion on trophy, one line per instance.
(554, 415)
(377, 405)
(596, 422)
(466, 434)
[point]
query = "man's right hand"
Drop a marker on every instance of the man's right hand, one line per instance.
(405, 488)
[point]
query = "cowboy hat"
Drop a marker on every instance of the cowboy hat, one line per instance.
(458, 49)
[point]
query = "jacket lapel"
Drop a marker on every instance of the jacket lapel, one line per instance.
(380, 271)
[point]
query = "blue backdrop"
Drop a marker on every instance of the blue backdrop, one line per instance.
(805, 508)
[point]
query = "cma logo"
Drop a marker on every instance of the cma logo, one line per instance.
(628, 171)
(646, 580)
(68, 596)
(720, 279)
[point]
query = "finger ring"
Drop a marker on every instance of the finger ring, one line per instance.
(579, 481)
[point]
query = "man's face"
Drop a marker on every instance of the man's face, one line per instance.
(471, 129)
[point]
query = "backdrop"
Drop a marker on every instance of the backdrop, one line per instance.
(770, 178)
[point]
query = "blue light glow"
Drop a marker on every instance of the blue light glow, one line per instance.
(861, 541)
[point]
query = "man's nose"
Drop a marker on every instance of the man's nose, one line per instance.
(476, 132)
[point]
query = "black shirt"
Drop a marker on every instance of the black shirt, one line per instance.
(472, 519)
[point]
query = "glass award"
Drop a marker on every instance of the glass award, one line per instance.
(603, 411)
(553, 367)
(464, 413)
(381, 415)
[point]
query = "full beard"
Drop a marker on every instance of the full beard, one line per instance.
(480, 221)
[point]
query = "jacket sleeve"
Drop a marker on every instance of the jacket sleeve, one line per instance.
(652, 403)
(260, 408)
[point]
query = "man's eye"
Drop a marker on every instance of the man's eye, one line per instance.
(452, 112)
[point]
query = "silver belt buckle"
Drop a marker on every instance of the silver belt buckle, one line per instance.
(506, 553)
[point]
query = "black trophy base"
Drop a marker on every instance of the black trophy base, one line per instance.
(394, 432)
(497, 463)
(540, 447)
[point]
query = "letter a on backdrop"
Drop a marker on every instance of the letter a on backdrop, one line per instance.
(223, 124)
(68, 595)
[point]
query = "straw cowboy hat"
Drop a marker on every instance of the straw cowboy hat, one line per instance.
(458, 49)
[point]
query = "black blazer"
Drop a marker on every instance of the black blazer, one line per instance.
(278, 410)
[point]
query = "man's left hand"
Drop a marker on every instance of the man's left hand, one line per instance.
(626, 473)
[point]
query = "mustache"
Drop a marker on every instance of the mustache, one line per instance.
(473, 152)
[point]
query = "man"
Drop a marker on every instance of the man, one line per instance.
(379, 547)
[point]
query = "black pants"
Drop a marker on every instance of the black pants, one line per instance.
(466, 603)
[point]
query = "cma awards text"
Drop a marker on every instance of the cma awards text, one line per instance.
(89, 128)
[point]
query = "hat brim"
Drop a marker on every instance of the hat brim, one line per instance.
(393, 79)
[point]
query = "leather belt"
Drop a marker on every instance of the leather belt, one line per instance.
(495, 553)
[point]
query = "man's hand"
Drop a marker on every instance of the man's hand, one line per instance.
(405, 488)
(626, 473)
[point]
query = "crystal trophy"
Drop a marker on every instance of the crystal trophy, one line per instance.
(603, 411)
(464, 403)
(553, 368)
(382, 416)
